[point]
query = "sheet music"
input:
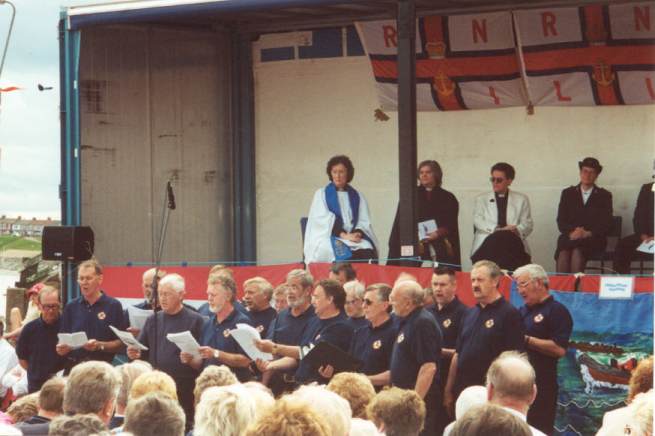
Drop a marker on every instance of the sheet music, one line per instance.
(246, 335)
(74, 340)
(128, 339)
(138, 316)
(425, 227)
(647, 247)
(185, 342)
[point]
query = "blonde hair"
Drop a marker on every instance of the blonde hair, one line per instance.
(224, 411)
(290, 417)
(24, 408)
(154, 381)
(213, 376)
(129, 372)
(357, 389)
(401, 411)
(263, 286)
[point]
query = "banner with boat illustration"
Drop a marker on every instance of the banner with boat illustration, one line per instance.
(609, 338)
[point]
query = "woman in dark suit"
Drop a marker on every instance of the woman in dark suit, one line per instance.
(584, 218)
(433, 203)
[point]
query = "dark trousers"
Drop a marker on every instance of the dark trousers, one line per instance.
(542, 412)
(185, 397)
(365, 254)
(432, 401)
(504, 248)
(626, 251)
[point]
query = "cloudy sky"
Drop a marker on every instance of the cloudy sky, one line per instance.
(29, 118)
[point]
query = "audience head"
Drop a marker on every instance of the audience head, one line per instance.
(397, 412)
(405, 277)
(444, 285)
(471, 396)
(642, 412)
(290, 416)
(92, 387)
(154, 414)
(221, 270)
(354, 298)
(405, 297)
(78, 425)
(488, 419)
(333, 407)
(261, 394)
(172, 289)
(430, 174)
(153, 381)
(376, 303)
(485, 279)
(532, 283)
(128, 373)
(225, 411)
(24, 408)
(342, 272)
(641, 379)
(257, 294)
(502, 175)
(51, 396)
(511, 381)
(213, 376)
(328, 296)
(340, 170)
(356, 388)
(300, 286)
(363, 427)
(221, 292)
(280, 297)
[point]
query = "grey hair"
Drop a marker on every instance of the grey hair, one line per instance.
(357, 287)
(175, 281)
(492, 267)
(512, 376)
(536, 272)
(413, 291)
(306, 279)
(382, 291)
(263, 286)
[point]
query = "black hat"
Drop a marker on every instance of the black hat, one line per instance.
(591, 162)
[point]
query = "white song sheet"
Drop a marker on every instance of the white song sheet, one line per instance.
(246, 335)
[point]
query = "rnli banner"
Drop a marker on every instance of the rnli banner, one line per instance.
(576, 56)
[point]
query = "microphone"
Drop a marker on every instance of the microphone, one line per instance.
(171, 196)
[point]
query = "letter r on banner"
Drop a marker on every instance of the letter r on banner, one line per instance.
(390, 36)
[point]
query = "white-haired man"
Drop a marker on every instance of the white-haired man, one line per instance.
(355, 303)
(174, 317)
(416, 354)
(511, 385)
(548, 325)
(257, 294)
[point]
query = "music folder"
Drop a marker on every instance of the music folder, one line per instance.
(324, 353)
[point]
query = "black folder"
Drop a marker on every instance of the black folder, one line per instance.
(324, 353)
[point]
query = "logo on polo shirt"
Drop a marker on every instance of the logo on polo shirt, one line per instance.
(260, 328)
(538, 318)
(226, 333)
(447, 322)
(377, 344)
(401, 337)
(489, 323)
(101, 315)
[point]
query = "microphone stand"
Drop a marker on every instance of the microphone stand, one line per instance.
(169, 204)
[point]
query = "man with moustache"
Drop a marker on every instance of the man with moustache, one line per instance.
(257, 294)
(492, 326)
(330, 325)
(173, 317)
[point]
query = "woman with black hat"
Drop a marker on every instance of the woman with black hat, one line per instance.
(584, 218)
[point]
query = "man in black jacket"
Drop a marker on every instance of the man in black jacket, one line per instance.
(643, 223)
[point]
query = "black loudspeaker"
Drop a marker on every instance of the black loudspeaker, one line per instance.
(67, 243)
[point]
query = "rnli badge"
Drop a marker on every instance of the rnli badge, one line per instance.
(260, 328)
(489, 323)
(377, 344)
(226, 333)
(538, 318)
(446, 323)
(401, 337)
(102, 315)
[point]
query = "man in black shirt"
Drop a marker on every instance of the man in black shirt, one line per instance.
(173, 318)
(644, 225)
(257, 294)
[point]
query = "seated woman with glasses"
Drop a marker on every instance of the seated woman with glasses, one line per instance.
(502, 221)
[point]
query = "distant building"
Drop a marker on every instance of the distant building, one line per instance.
(25, 227)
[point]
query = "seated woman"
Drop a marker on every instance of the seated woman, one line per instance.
(502, 221)
(432, 203)
(584, 218)
(339, 224)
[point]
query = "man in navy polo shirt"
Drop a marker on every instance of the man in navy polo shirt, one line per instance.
(36, 343)
(217, 345)
(490, 327)
(92, 312)
(355, 304)
(448, 311)
(257, 294)
(290, 325)
(417, 352)
(548, 325)
(330, 325)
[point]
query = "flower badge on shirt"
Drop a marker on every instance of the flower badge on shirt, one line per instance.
(260, 328)
(401, 337)
(377, 344)
(538, 318)
(226, 333)
(446, 323)
(102, 315)
(489, 323)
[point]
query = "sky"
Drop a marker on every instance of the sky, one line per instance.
(29, 118)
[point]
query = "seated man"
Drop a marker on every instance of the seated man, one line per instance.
(397, 412)
(643, 221)
(51, 398)
(502, 221)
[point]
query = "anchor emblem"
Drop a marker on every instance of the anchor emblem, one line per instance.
(443, 85)
(603, 74)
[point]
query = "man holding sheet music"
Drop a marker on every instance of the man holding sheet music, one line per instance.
(92, 313)
(217, 344)
(174, 317)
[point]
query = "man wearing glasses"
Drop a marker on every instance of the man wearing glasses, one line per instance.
(37, 342)
(502, 221)
(355, 304)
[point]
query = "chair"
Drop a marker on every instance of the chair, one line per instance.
(608, 254)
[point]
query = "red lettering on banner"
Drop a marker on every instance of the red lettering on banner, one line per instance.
(558, 91)
(479, 30)
(390, 36)
(642, 17)
(548, 23)
(492, 93)
(649, 87)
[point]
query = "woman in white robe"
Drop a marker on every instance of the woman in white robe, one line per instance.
(339, 225)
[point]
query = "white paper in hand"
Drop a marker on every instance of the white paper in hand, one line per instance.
(426, 227)
(246, 335)
(128, 339)
(138, 316)
(185, 342)
(647, 247)
(74, 340)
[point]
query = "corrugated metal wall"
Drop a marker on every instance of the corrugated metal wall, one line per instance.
(155, 106)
